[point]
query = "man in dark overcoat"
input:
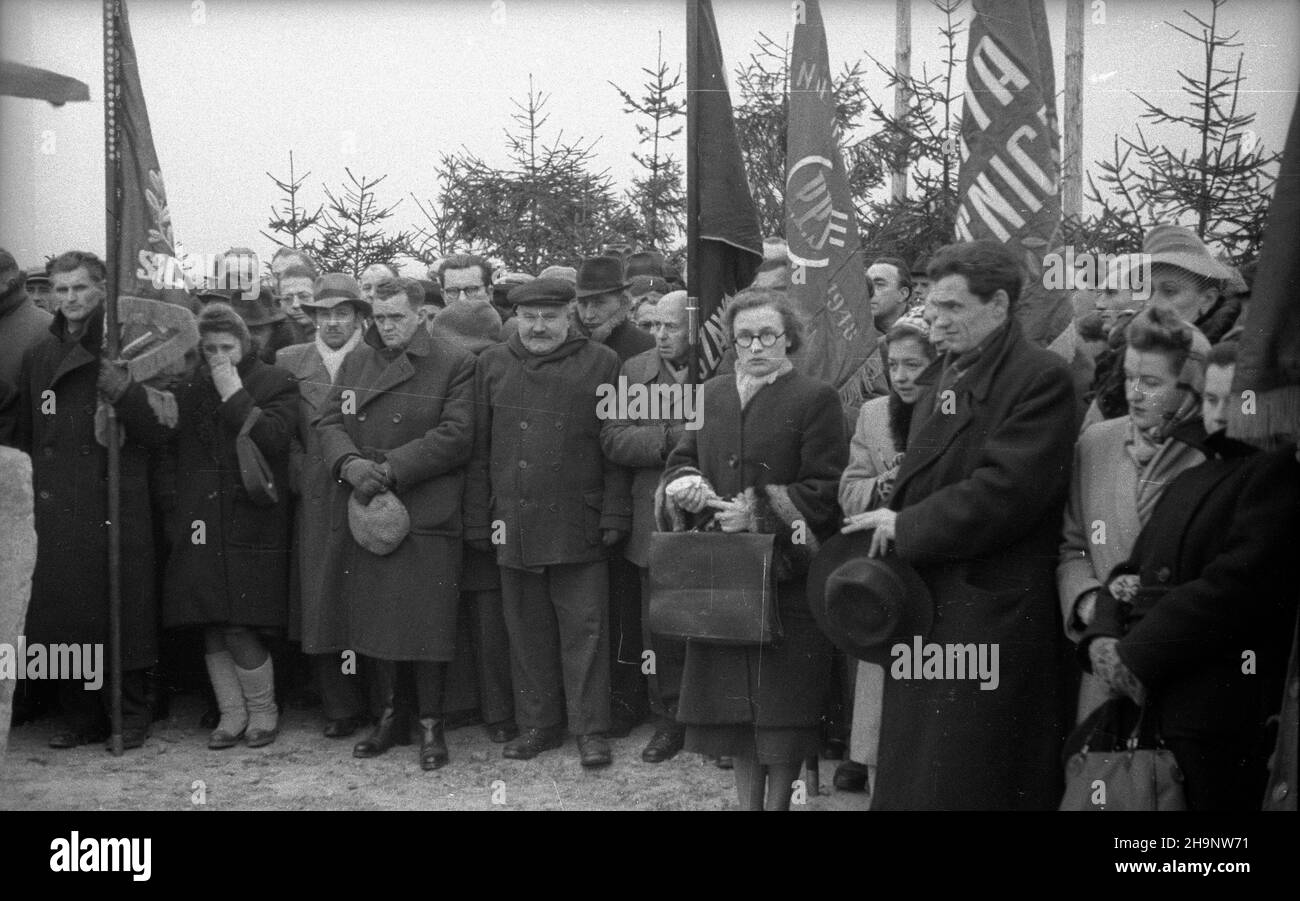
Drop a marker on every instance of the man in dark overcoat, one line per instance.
(643, 446)
(977, 510)
(339, 314)
(545, 495)
(400, 419)
(602, 308)
(60, 424)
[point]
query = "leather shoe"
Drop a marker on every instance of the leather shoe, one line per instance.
(500, 733)
(260, 738)
(345, 726)
(532, 742)
(210, 717)
(393, 728)
(220, 739)
(73, 738)
(433, 744)
(594, 749)
(851, 776)
(664, 745)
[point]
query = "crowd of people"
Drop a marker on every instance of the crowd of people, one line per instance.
(447, 530)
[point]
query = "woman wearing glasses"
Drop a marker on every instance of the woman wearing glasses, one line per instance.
(1121, 466)
(767, 459)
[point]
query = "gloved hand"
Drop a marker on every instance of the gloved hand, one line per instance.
(691, 493)
(366, 477)
(1103, 653)
(114, 379)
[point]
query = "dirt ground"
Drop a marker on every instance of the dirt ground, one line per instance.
(303, 770)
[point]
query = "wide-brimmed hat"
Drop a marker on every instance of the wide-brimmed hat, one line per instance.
(1173, 245)
(334, 288)
(600, 275)
(255, 311)
(864, 604)
(547, 291)
(381, 525)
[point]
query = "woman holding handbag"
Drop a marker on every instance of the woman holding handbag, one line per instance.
(228, 571)
(767, 460)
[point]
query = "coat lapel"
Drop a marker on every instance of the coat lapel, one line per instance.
(313, 378)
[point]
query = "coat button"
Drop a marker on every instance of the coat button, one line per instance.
(85, 450)
(523, 464)
(523, 503)
(558, 424)
(523, 425)
(1163, 574)
(397, 417)
(48, 451)
(45, 494)
(1280, 792)
(361, 417)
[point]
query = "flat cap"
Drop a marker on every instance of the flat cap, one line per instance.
(547, 291)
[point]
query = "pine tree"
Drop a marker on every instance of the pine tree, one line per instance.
(547, 207)
(1220, 188)
(659, 196)
(291, 220)
(351, 235)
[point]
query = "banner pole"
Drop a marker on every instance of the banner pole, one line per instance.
(693, 285)
(112, 349)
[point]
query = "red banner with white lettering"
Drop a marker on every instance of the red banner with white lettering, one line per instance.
(829, 280)
(1009, 183)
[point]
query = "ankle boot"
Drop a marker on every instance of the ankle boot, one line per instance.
(433, 745)
(224, 676)
(393, 727)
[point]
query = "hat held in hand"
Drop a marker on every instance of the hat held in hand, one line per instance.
(867, 604)
(381, 525)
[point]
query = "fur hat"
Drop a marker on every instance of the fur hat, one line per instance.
(468, 324)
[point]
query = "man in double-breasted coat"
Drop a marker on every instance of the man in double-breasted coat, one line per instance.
(60, 425)
(339, 313)
(977, 510)
(543, 492)
(400, 418)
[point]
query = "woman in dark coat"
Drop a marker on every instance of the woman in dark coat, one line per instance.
(229, 566)
(767, 460)
(1197, 623)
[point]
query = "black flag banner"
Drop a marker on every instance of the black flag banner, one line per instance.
(1009, 183)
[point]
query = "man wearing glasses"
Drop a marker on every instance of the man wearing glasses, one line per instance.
(296, 290)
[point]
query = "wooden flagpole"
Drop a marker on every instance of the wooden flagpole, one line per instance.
(692, 186)
(113, 205)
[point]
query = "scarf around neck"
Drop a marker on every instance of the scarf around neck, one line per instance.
(333, 359)
(748, 385)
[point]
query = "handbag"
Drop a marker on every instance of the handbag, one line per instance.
(259, 481)
(1114, 773)
(714, 587)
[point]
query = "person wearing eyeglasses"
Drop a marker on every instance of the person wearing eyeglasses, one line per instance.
(295, 288)
(479, 677)
(767, 459)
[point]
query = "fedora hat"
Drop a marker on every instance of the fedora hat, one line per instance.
(866, 604)
(255, 311)
(334, 288)
(645, 262)
(1173, 245)
(381, 525)
(600, 275)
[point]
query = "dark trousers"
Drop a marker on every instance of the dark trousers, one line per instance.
(559, 645)
(628, 694)
(89, 710)
(483, 644)
(340, 693)
(665, 683)
(406, 685)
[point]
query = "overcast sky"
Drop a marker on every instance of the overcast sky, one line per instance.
(384, 86)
